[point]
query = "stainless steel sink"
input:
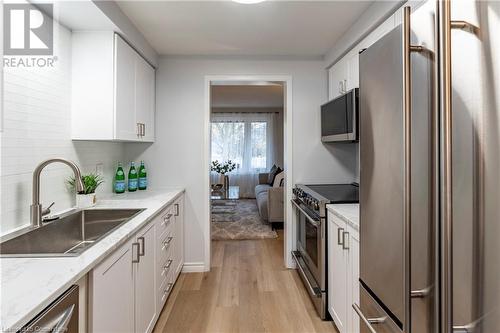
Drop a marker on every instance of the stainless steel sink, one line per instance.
(69, 235)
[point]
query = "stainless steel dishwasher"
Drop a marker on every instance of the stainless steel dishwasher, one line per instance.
(59, 317)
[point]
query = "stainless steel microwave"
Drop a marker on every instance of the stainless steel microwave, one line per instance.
(339, 118)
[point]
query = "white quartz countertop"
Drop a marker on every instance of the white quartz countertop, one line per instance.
(28, 285)
(347, 212)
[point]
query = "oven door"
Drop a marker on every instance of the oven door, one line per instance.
(311, 242)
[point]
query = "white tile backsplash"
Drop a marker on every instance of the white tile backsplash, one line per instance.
(37, 126)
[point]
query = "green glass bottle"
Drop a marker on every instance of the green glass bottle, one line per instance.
(119, 179)
(132, 178)
(143, 178)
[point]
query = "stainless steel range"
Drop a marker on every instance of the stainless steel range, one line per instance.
(310, 210)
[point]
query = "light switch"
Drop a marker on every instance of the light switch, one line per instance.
(99, 169)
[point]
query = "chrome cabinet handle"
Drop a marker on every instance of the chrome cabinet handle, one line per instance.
(169, 287)
(166, 243)
(345, 245)
(143, 129)
(139, 131)
(340, 87)
(368, 321)
(340, 239)
(169, 263)
(135, 246)
(142, 249)
(176, 209)
(345, 85)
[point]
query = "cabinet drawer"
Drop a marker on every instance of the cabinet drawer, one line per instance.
(166, 220)
(164, 246)
(164, 291)
(164, 269)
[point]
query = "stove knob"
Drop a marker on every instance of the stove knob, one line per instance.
(316, 205)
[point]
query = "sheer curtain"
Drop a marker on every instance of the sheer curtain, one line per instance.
(251, 140)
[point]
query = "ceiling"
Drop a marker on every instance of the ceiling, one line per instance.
(270, 28)
(247, 96)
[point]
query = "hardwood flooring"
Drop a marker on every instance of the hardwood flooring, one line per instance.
(247, 290)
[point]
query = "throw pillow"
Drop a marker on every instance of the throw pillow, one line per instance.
(273, 174)
(279, 179)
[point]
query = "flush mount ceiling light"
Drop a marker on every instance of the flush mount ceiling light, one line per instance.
(248, 2)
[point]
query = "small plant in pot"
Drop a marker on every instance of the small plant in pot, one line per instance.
(86, 198)
(222, 169)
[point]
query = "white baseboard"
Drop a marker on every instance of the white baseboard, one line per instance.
(193, 267)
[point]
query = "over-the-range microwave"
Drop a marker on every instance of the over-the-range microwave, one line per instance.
(339, 118)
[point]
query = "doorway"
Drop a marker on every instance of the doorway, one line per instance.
(248, 132)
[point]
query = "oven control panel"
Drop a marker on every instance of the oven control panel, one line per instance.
(305, 198)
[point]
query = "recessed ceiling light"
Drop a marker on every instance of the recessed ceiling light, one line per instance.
(248, 2)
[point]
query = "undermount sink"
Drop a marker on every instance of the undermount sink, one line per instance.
(69, 235)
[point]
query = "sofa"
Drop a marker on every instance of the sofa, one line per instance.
(270, 201)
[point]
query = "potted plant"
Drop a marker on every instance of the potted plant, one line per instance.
(223, 169)
(86, 198)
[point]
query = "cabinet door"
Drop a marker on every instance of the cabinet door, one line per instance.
(125, 117)
(112, 293)
(353, 71)
(145, 296)
(337, 274)
(353, 280)
(338, 78)
(179, 236)
(145, 98)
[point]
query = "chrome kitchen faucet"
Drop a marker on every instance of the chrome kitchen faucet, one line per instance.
(36, 207)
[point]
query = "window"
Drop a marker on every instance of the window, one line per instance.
(243, 139)
(228, 141)
(258, 144)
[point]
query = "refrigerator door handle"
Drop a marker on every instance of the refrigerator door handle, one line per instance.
(421, 293)
(446, 24)
(408, 48)
(368, 321)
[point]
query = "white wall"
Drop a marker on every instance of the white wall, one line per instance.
(37, 126)
(176, 159)
(377, 13)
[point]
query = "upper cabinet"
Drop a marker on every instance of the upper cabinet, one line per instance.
(344, 74)
(113, 89)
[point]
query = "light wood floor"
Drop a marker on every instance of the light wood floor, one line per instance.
(247, 290)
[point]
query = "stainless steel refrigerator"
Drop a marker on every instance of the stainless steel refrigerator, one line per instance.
(429, 172)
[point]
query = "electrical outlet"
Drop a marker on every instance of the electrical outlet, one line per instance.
(99, 169)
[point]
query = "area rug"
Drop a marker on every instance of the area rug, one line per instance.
(239, 219)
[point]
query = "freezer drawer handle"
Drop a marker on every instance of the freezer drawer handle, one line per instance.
(368, 321)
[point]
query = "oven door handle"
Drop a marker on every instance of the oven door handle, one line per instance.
(314, 222)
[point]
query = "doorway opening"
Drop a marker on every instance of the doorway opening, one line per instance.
(249, 160)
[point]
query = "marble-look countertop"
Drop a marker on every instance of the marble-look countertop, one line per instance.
(349, 213)
(28, 285)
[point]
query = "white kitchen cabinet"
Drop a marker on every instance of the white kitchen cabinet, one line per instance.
(343, 274)
(113, 89)
(337, 79)
(179, 236)
(122, 287)
(129, 288)
(111, 293)
(145, 301)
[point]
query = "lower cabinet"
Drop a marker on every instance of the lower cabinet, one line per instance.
(129, 288)
(343, 274)
(145, 303)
